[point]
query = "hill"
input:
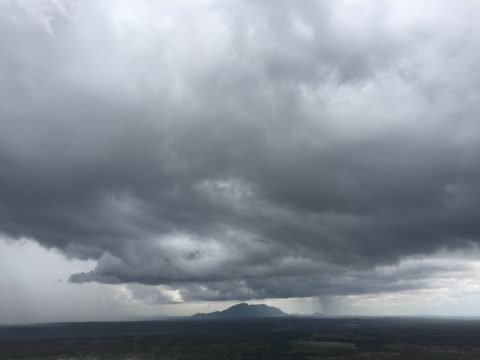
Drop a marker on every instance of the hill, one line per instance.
(243, 310)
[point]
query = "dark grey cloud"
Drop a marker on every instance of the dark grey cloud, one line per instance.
(240, 150)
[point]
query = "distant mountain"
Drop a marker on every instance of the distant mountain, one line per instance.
(243, 310)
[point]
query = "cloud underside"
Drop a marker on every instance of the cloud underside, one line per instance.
(241, 150)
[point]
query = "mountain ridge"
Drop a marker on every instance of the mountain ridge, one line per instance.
(243, 310)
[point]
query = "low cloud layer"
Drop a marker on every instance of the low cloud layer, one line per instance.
(239, 150)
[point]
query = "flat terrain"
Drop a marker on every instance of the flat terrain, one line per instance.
(269, 338)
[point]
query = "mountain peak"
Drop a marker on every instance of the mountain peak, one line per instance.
(243, 310)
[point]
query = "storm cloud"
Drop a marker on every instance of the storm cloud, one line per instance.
(242, 149)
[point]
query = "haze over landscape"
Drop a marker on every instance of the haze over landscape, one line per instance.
(180, 157)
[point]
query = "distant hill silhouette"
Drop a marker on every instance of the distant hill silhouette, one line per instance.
(243, 310)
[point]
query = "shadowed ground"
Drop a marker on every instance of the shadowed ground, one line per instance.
(274, 338)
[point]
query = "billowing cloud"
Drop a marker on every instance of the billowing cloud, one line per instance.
(237, 150)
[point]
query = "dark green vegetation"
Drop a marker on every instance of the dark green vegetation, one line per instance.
(267, 338)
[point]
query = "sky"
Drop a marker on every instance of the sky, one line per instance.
(176, 156)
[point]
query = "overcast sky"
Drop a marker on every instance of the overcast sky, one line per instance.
(181, 156)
